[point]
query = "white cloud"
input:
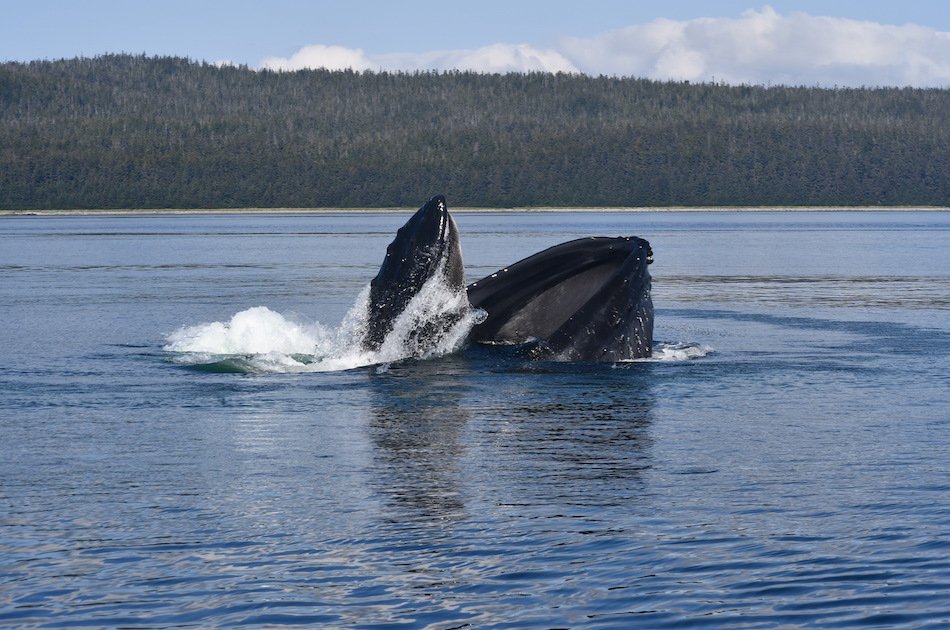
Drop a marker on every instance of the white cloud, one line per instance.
(493, 58)
(765, 47)
(759, 47)
(513, 58)
(319, 56)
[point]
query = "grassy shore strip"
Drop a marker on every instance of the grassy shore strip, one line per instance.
(209, 211)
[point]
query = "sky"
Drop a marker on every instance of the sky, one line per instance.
(827, 42)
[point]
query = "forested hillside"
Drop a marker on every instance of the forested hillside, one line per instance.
(137, 132)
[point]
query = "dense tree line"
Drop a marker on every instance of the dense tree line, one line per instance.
(123, 131)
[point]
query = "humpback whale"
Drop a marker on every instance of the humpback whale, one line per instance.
(583, 300)
(425, 248)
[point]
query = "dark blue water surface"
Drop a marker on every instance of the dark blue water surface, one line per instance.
(795, 472)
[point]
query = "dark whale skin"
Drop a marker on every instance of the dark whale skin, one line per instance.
(426, 245)
(583, 300)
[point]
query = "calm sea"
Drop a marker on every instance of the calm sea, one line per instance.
(784, 460)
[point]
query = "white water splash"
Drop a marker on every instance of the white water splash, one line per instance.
(261, 340)
(257, 330)
(675, 352)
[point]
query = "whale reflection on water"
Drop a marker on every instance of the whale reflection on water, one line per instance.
(417, 422)
(450, 445)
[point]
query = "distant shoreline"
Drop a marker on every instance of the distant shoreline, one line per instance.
(265, 211)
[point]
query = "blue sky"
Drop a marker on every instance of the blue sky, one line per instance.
(866, 42)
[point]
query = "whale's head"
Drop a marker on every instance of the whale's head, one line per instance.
(426, 247)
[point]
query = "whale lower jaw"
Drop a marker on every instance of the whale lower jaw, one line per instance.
(583, 300)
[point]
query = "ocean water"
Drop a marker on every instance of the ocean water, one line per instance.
(188, 437)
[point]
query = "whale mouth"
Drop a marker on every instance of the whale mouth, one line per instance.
(586, 299)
